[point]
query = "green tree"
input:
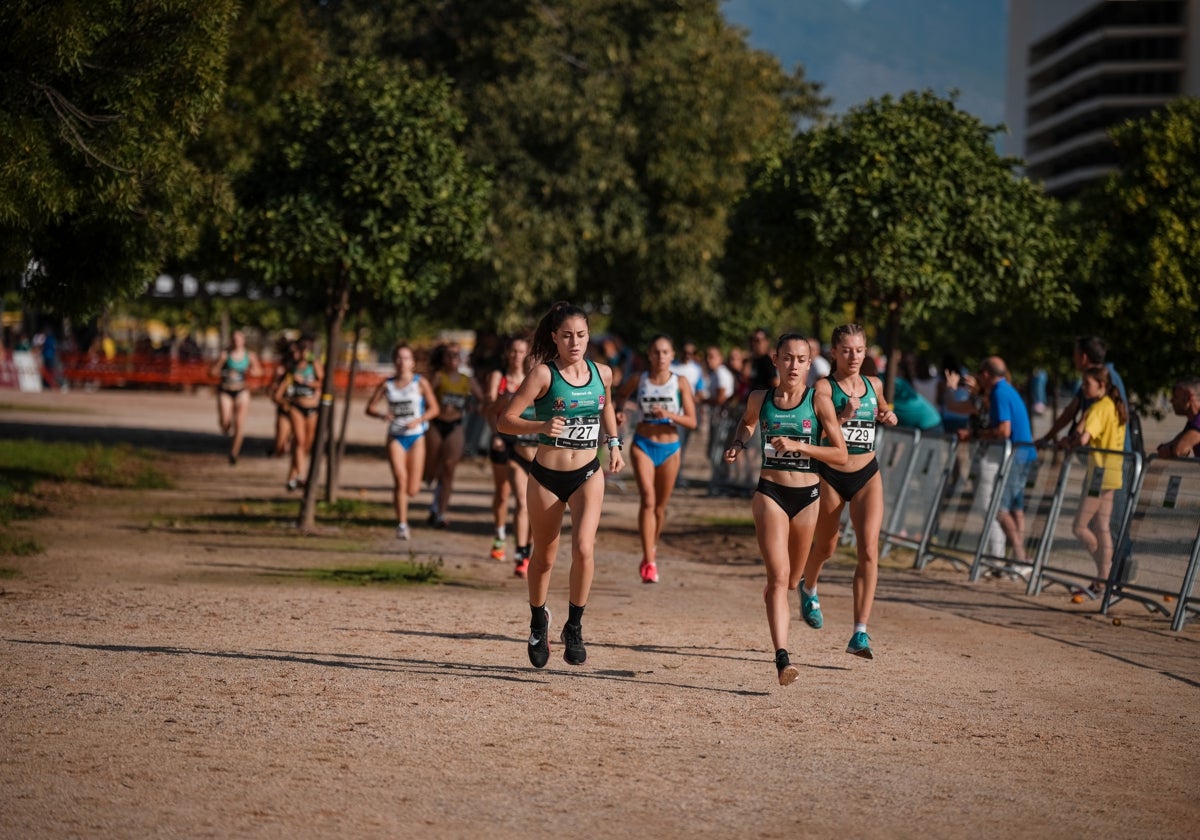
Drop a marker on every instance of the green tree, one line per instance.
(1139, 256)
(97, 103)
(619, 134)
(368, 198)
(903, 213)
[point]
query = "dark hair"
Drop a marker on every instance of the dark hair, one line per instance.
(656, 337)
(845, 331)
(400, 345)
(1093, 347)
(1101, 374)
(790, 336)
(543, 348)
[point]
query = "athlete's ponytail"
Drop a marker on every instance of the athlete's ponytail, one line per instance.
(544, 348)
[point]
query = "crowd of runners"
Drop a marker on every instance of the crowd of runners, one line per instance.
(547, 409)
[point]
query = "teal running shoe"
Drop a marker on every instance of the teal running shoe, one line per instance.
(860, 645)
(810, 609)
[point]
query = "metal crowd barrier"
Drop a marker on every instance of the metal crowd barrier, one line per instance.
(921, 467)
(1164, 533)
(1062, 557)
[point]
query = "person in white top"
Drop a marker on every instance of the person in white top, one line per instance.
(820, 367)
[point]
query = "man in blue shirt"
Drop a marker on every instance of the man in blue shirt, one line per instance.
(1008, 419)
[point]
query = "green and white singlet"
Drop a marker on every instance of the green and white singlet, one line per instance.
(579, 405)
(799, 423)
(858, 431)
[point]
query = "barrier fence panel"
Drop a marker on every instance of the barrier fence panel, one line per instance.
(740, 477)
(1033, 475)
(966, 509)
(911, 514)
(895, 452)
(1164, 534)
(1092, 501)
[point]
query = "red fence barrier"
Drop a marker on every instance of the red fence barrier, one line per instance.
(151, 370)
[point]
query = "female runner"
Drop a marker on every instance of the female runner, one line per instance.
(406, 403)
(511, 456)
(300, 394)
(447, 439)
(859, 408)
(571, 396)
(791, 419)
(666, 403)
(234, 366)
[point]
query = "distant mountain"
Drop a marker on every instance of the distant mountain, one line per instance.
(863, 49)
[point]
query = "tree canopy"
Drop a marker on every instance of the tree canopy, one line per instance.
(1139, 256)
(619, 134)
(98, 101)
(367, 198)
(904, 209)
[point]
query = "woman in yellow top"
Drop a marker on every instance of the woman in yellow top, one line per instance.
(1102, 427)
(447, 439)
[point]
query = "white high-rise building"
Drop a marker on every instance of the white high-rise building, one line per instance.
(1077, 67)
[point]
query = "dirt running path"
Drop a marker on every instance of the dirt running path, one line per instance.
(167, 673)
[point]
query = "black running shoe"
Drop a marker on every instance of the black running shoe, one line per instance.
(572, 638)
(539, 643)
(787, 671)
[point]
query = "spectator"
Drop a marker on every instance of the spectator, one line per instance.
(1101, 428)
(691, 370)
(1008, 419)
(820, 366)
(720, 384)
(1185, 401)
(763, 374)
(913, 411)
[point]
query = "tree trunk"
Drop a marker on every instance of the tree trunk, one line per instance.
(338, 451)
(893, 357)
(334, 316)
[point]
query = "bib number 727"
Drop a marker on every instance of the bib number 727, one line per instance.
(580, 433)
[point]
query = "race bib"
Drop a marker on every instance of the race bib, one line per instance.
(233, 379)
(458, 402)
(859, 434)
(403, 413)
(649, 403)
(776, 460)
(580, 433)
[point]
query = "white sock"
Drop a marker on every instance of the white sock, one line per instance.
(860, 628)
(807, 591)
(501, 533)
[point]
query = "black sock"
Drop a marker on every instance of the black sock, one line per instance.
(538, 618)
(782, 660)
(574, 614)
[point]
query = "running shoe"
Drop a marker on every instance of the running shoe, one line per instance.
(497, 549)
(574, 653)
(788, 673)
(521, 569)
(402, 531)
(810, 608)
(539, 642)
(648, 571)
(860, 645)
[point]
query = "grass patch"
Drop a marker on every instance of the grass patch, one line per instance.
(7, 574)
(379, 573)
(27, 465)
(14, 546)
(25, 462)
(728, 521)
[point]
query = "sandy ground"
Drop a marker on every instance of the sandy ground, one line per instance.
(167, 672)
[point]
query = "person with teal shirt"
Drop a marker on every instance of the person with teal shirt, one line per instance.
(572, 400)
(235, 367)
(792, 421)
(913, 411)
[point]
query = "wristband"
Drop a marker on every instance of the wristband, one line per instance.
(613, 442)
